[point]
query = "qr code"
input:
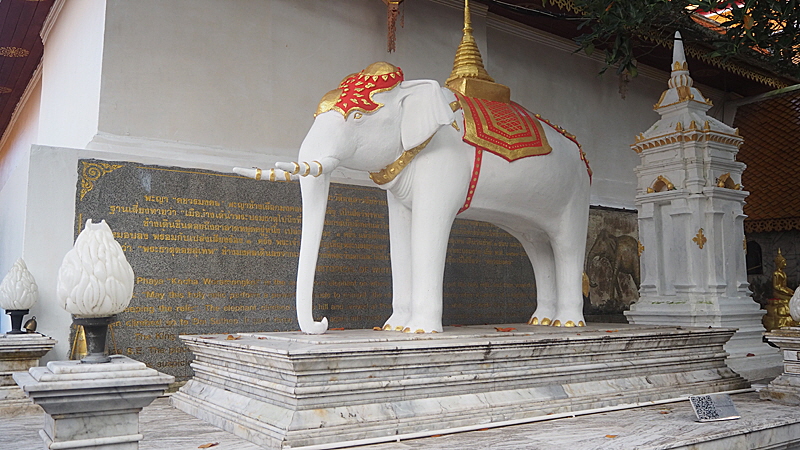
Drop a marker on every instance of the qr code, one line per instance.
(704, 407)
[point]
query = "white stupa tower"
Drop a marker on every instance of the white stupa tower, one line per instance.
(691, 229)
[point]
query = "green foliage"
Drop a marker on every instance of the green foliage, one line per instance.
(769, 28)
(617, 27)
(759, 29)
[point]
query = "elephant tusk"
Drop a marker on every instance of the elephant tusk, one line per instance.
(315, 168)
(259, 174)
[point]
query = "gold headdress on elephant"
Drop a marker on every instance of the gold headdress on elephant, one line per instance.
(356, 90)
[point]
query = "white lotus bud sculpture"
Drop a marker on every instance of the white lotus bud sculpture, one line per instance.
(794, 305)
(95, 282)
(18, 294)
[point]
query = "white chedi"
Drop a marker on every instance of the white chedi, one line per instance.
(18, 291)
(794, 305)
(95, 278)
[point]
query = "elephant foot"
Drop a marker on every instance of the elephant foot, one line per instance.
(535, 321)
(422, 326)
(398, 320)
(417, 331)
(568, 323)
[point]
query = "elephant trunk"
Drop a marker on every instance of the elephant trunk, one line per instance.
(315, 203)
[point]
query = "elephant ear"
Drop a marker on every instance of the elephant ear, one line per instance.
(424, 109)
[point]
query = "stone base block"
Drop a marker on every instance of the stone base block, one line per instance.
(282, 390)
(18, 353)
(786, 388)
(93, 406)
(748, 355)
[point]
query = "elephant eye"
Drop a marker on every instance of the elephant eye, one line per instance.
(357, 115)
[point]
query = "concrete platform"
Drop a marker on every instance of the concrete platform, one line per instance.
(764, 425)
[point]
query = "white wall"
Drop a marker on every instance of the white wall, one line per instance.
(71, 75)
(22, 132)
(210, 81)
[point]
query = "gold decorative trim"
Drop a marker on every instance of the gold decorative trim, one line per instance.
(640, 248)
(556, 323)
(319, 172)
(391, 171)
(730, 66)
(725, 181)
(546, 321)
(14, 52)
(700, 239)
(92, 172)
(689, 136)
(661, 184)
(533, 321)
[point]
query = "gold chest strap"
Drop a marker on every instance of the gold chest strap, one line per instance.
(391, 171)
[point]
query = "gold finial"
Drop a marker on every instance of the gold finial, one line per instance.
(469, 76)
(780, 261)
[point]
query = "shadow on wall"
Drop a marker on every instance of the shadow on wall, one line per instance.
(612, 264)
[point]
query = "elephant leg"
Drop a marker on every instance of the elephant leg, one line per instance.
(437, 196)
(400, 248)
(537, 247)
(430, 233)
(569, 244)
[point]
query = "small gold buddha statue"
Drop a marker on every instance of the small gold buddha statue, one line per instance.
(778, 315)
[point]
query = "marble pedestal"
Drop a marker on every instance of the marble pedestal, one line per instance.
(786, 388)
(18, 353)
(289, 390)
(748, 355)
(93, 406)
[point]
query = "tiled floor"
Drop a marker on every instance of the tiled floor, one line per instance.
(654, 427)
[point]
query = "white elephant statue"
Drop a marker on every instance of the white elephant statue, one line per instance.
(408, 135)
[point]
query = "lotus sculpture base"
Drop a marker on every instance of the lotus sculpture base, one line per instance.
(16, 320)
(96, 329)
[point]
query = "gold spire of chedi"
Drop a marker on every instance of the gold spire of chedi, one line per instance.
(469, 77)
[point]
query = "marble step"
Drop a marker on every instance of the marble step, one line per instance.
(285, 390)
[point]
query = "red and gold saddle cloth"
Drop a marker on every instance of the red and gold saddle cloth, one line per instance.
(506, 129)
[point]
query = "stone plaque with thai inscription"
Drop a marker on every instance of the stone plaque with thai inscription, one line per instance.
(217, 253)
